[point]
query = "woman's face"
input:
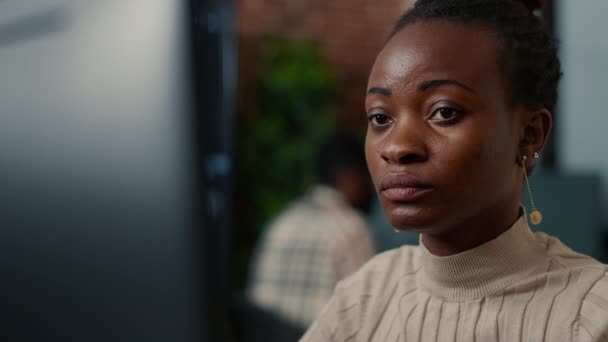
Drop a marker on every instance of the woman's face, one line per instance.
(442, 140)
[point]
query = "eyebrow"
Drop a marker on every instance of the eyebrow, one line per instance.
(442, 82)
(381, 91)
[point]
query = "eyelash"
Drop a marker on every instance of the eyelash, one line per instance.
(457, 114)
(374, 117)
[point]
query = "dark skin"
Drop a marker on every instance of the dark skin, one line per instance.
(440, 113)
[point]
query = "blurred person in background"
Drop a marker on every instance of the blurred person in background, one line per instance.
(318, 239)
(459, 105)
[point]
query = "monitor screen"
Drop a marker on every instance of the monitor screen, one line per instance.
(96, 155)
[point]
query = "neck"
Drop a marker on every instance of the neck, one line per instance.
(485, 269)
(473, 231)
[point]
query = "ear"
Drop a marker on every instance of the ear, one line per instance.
(534, 132)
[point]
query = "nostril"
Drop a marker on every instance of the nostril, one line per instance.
(404, 159)
(411, 158)
(403, 153)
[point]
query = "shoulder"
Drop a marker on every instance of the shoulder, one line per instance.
(297, 220)
(377, 277)
(382, 270)
(563, 255)
(356, 296)
(585, 289)
(590, 278)
(592, 320)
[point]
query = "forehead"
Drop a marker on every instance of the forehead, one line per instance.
(439, 49)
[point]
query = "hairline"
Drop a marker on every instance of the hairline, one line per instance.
(502, 59)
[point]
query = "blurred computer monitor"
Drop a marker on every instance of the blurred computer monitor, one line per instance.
(101, 227)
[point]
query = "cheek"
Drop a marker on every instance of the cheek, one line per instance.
(459, 155)
(371, 157)
(473, 157)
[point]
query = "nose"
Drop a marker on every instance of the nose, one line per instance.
(405, 144)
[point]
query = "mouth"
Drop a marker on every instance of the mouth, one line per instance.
(403, 188)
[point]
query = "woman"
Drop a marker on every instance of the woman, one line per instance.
(459, 106)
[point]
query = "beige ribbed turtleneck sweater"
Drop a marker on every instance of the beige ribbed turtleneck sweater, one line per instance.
(521, 286)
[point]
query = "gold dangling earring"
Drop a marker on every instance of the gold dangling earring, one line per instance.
(536, 217)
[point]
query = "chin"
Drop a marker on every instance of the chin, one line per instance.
(411, 217)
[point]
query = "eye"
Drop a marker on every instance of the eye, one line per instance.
(379, 120)
(445, 114)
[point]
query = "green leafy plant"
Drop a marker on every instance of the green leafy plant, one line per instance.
(295, 101)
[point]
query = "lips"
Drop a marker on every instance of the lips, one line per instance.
(403, 187)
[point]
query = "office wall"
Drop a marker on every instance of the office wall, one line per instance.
(582, 120)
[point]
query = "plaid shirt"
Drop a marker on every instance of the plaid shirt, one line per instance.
(314, 243)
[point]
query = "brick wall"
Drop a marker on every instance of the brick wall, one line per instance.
(349, 33)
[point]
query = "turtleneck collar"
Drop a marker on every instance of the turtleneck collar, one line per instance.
(485, 269)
